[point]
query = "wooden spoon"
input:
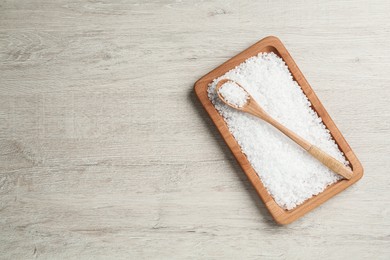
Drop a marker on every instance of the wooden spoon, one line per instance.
(253, 108)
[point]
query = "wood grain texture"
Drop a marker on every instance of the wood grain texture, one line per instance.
(106, 153)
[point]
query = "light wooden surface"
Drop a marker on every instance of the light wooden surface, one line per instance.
(281, 216)
(105, 152)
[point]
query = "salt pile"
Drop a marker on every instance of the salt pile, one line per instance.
(233, 94)
(288, 172)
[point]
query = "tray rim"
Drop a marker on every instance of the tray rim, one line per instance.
(280, 215)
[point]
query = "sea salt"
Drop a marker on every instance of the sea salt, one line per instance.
(287, 171)
(233, 94)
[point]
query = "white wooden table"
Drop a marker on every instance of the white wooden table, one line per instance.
(106, 153)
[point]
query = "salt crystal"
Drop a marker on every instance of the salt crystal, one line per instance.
(288, 172)
(233, 94)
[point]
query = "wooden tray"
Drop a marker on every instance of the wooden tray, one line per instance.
(281, 216)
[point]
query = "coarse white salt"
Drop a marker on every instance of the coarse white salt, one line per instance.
(288, 172)
(233, 94)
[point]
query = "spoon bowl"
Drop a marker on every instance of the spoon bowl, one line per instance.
(251, 106)
(221, 83)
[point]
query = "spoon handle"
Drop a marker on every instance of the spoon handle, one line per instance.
(330, 162)
(316, 152)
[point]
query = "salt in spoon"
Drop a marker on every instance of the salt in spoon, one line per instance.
(252, 107)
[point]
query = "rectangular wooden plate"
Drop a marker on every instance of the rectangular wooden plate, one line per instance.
(281, 216)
